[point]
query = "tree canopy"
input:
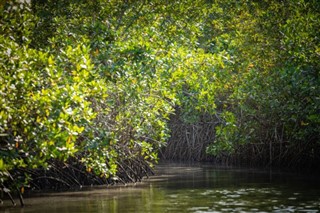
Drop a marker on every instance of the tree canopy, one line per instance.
(92, 84)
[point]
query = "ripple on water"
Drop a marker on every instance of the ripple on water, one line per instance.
(200, 208)
(207, 192)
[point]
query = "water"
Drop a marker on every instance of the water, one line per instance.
(196, 189)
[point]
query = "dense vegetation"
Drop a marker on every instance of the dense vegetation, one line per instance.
(89, 88)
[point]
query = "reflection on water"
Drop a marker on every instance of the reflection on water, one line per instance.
(190, 189)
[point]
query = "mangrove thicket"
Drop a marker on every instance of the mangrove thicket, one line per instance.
(94, 92)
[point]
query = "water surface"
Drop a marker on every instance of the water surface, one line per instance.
(195, 188)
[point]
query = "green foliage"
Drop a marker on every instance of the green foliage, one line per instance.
(72, 89)
(98, 80)
(226, 136)
(45, 102)
(274, 88)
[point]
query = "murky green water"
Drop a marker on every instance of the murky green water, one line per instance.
(191, 189)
